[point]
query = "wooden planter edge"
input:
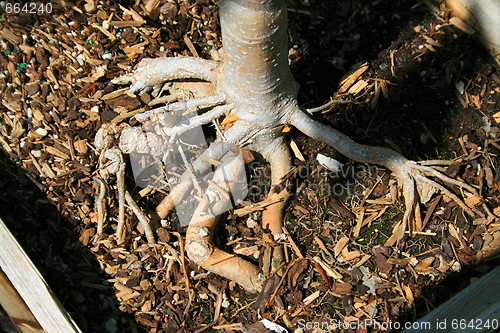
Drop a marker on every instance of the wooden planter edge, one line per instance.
(31, 287)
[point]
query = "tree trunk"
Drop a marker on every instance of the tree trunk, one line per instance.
(255, 72)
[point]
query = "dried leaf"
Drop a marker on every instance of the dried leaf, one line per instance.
(294, 273)
(229, 119)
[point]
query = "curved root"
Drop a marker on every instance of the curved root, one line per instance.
(199, 242)
(277, 154)
(200, 249)
(152, 73)
(235, 136)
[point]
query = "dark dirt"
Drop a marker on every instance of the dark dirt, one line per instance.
(411, 103)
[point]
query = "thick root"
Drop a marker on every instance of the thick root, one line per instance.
(199, 242)
(200, 249)
(235, 136)
(190, 105)
(411, 176)
(151, 73)
(278, 156)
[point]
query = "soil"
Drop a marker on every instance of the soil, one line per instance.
(428, 90)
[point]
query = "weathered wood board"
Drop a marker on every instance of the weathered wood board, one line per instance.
(32, 289)
(474, 309)
(482, 15)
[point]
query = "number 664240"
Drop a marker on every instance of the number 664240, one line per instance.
(28, 8)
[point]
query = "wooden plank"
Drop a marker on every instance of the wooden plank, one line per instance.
(31, 286)
(468, 311)
(483, 15)
(16, 309)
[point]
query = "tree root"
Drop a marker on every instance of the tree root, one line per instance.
(151, 73)
(190, 105)
(234, 137)
(278, 156)
(258, 131)
(111, 162)
(199, 243)
(411, 176)
(141, 217)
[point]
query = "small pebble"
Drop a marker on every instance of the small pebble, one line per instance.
(42, 132)
(111, 326)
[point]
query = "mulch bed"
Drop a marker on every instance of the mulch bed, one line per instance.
(417, 84)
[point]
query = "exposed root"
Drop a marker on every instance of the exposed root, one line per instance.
(151, 73)
(327, 105)
(111, 162)
(115, 165)
(411, 176)
(433, 172)
(99, 203)
(141, 217)
(200, 249)
(200, 120)
(448, 193)
(279, 159)
(190, 105)
(235, 136)
(120, 184)
(199, 242)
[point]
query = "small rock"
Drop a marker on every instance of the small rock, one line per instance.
(110, 326)
(456, 267)
(42, 132)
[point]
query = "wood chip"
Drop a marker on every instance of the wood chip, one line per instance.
(360, 216)
(190, 46)
(9, 35)
(296, 150)
(114, 94)
(54, 151)
(328, 269)
(348, 80)
(358, 87)
(311, 298)
(340, 246)
(462, 25)
(81, 146)
(255, 207)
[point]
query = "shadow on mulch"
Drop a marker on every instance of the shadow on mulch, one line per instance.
(48, 238)
(422, 91)
(432, 296)
(422, 95)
